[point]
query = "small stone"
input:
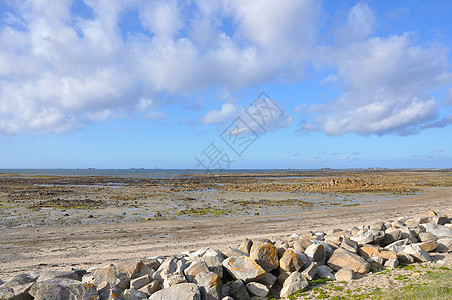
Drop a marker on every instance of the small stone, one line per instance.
(344, 274)
(295, 282)
(183, 291)
(243, 268)
(257, 289)
(391, 263)
(345, 259)
(266, 255)
(376, 262)
(310, 271)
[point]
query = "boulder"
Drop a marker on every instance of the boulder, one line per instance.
(428, 246)
(63, 288)
(391, 263)
(349, 245)
(408, 233)
(390, 237)
(437, 230)
(325, 272)
(266, 255)
(426, 237)
(257, 289)
(18, 286)
(238, 291)
(228, 252)
(198, 253)
(214, 260)
(444, 245)
(344, 274)
(245, 245)
(316, 253)
(131, 294)
(367, 251)
(368, 237)
(150, 288)
(310, 271)
(388, 254)
(290, 262)
(183, 291)
(417, 252)
(405, 259)
(112, 276)
(398, 245)
(295, 282)
(243, 268)
(174, 279)
(376, 263)
(194, 269)
(171, 266)
(301, 244)
(345, 259)
(75, 274)
(139, 282)
(268, 280)
(209, 284)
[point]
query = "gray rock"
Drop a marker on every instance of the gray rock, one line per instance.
(139, 282)
(325, 272)
(268, 280)
(245, 245)
(444, 245)
(257, 289)
(310, 271)
(428, 246)
(266, 255)
(316, 253)
(228, 298)
(349, 245)
(194, 269)
(243, 268)
(111, 276)
(228, 252)
(171, 266)
(183, 291)
(131, 294)
(150, 288)
(344, 259)
(344, 274)
(368, 237)
(174, 279)
(391, 236)
(398, 245)
(408, 233)
(7, 293)
(290, 262)
(198, 254)
(391, 263)
(405, 259)
(376, 263)
(19, 285)
(301, 244)
(419, 254)
(209, 284)
(437, 230)
(380, 226)
(214, 260)
(426, 236)
(47, 275)
(238, 290)
(295, 282)
(63, 288)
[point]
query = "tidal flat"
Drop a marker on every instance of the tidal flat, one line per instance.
(41, 200)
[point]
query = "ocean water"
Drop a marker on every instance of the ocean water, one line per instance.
(149, 173)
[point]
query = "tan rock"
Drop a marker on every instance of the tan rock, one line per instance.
(266, 255)
(243, 268)
(290, 262)
(344, 274)
(345, 259)
(428, 246)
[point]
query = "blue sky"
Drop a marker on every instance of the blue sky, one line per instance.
(134, 83)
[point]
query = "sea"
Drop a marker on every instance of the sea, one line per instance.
(148, 173)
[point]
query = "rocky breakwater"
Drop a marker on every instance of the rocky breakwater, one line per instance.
(253, 269)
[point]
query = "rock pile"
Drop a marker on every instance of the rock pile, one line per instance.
(253, 270)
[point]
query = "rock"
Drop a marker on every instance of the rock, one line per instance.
(171, 266)
(228, 252)
(344, 274)
(390, 237)
(290, 262)
(18, 286)
(112, 276)
(139, 282)
(198, 253)
(266, 255)
(426, 237)
(368, 251)
(63, 288)
(195, 268)
(388, 254)
(131, 294)
(150, 288)
(243, 268)
(228, 298)
(409, 234)
(293, 283)
(437, 230)
(405, 259)
(397, 246)
(444, 245)
(431, 212)
(349, 245)
(257, 289)
(391, 263)
(268, 280)
(354, 230)
(316, 253)
(418, 253)
(238, 291)
(214, 260)
(111, 294)
(376, 263)
(183, 291)
(428, 246)
(245, 245)
(368, 237)
(75, 275)
(345, 259)
(310, 271)
(174, 279)
(325, 272)
(209, 284)
(152, 263)
(301, 244)
(380, 226)
(337, 237)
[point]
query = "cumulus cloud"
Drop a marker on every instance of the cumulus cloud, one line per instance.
(227, 112)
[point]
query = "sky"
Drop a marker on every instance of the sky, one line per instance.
(298, 84)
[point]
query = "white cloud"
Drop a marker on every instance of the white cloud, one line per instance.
(227, 112)
(447, 100)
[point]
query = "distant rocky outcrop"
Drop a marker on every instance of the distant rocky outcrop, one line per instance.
(253, 270)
